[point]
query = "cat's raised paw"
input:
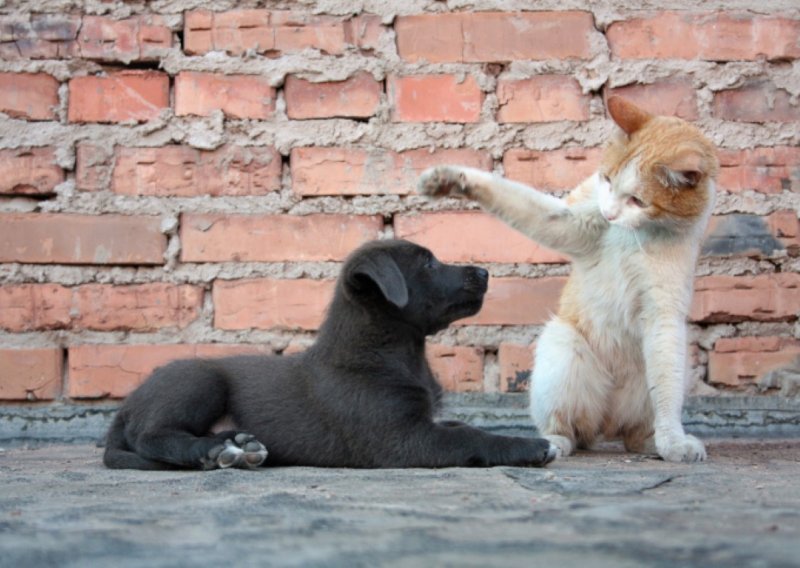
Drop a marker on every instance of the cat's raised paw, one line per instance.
(685, 449)
(441, 181)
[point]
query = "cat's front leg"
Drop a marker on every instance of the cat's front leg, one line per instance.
(665, 352)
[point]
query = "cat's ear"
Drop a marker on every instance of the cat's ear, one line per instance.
(682, 173)
(627, 115)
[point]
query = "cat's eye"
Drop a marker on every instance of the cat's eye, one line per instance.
(605, 178)
(635, 201)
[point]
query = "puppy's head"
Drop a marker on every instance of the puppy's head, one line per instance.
(405, 281)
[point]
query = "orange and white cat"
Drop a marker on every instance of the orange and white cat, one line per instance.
(613, 362)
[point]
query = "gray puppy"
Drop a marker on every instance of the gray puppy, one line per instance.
(361, 396)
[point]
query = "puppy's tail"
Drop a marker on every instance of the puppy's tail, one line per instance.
(118, 454)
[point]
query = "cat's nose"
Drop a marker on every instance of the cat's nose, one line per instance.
(609, 215)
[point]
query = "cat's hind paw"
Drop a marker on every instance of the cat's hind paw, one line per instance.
(686, 448)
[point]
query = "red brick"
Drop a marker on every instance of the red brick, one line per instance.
(274, 238)
(271, 304)
(435, 98)
(262, 31)
(457, 368)
(766, 170)
(103, 371)
(185, 172)
(140, 38)
(666, 98)
(238, 96)
(29, 171)
(494, 36)
(33, 96)
(753, 235)
(710, 36)
(103, 307)
(366, 31)
(553, 170)
(516, 365)
(471, 236)
(519, 301)
(349, 171)
(768, 297)
(81, 239)
(30, 374)
(743, 360)
(545, 98)
(125, 96)
(356, 97)
(39, 36)
(761, 102)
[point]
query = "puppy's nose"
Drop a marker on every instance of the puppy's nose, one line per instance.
(482, 275)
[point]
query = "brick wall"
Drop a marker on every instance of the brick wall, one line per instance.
(177, 181)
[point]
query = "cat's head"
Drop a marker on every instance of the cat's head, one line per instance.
(659, 170)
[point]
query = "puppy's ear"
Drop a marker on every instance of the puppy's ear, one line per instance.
(382, 270)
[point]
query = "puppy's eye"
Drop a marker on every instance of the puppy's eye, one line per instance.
(635, 201)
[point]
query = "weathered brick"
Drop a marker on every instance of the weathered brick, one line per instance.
(365, 31)
(709, 36)
(30, 374)
(742, 361)
(81, 239)
(132, 39)
(123, 96)
(274, 238)
(516, 366)
(768, 297)
(29, 171)
(348, 171)
(494, 36)
(262, 31)
(553, 170)
(355, 97)
(759, 102)
(113, 371)
(184, 171)
(753, 235)
(457, 368)
(238, 96)
(544, 98)
(33, 96)
(766, 170)
(103, 307)
(518, 301)
(39, 36)
(93, 166)
(435, 98)
(471, 236)
(666, 98)
(271, 304)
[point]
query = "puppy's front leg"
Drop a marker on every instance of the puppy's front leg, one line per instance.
(458, 445)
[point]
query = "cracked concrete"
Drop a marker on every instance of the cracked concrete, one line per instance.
(60, 507)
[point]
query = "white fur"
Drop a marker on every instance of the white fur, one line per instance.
(625, 376)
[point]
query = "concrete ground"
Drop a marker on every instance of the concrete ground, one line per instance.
(60, 507)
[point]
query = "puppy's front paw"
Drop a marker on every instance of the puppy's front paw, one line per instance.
(684, 448)
(442, 181)
(243, 451)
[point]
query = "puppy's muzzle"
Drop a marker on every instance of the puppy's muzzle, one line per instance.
(476, 280)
